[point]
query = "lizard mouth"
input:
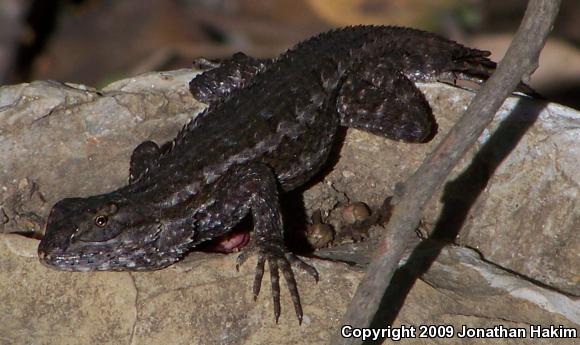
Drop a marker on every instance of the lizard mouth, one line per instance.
(104, 261)
(111, 255)
(82, 262)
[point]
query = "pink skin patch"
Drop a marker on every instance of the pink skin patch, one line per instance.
(228, 243)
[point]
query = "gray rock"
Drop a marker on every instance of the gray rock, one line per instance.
(60, 140)
(517, 202)
(203, 300)
(515, 197)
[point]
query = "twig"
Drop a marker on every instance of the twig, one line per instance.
(519, 62)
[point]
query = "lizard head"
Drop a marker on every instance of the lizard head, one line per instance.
(103, 232)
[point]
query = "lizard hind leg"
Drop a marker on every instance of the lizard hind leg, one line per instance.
(380, 99)
(474, 66)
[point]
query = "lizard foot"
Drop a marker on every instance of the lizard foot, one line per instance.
(278, 259)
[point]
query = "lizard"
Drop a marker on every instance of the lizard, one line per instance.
(268, 129)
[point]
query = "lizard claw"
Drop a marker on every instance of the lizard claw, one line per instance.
(279, 259)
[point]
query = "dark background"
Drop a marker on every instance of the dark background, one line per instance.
(95, 42)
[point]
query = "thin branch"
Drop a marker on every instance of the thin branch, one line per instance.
(519, 62)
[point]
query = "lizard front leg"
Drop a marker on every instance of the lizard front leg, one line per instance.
(253, 188)
(145, 157)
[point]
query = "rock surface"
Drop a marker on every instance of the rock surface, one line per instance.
(515, 199)
(59, 140)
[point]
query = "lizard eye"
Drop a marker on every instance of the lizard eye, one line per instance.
(101, 221)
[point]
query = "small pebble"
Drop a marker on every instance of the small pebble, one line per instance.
(355, 212)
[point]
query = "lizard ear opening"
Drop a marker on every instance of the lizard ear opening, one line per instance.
(108, 209)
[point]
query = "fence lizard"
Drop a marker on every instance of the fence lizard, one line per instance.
(269, 128)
